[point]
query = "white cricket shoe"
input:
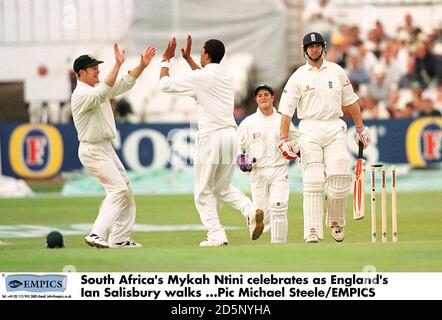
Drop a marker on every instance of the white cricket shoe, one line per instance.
(256, 224)
(96, 241)
(213, 243)
(337, 233)
(312, 238)
(128, 244)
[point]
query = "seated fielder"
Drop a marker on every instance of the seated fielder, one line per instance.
(259, 155)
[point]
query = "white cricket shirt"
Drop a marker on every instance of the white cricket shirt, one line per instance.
(259, 138)
(316, 93)
(92, 111)
(212, 88)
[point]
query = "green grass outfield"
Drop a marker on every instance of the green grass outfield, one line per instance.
(419, 247)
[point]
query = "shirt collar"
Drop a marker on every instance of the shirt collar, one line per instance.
(211, 65)
(83, 84)
(323, 65)
(259, 112)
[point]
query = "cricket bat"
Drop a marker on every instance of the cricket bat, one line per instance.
(358, 191)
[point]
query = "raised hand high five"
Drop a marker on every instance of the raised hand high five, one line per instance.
(119, 56)
(147, 55)
(169, 52)
(186, 51)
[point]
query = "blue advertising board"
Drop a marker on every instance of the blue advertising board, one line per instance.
(43, 151)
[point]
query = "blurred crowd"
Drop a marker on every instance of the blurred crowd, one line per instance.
(395, 75)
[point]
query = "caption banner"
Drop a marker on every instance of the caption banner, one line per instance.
(221, 286)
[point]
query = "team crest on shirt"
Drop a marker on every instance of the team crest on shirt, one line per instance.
(256, 135)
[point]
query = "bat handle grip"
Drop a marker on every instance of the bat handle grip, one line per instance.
(360, 150)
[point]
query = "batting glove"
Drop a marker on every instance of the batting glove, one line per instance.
(288, 149)
(245, 163)
(363, 135)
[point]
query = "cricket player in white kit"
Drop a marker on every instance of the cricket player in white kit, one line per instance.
(259, 155)
(318, 91)
(95, 124)
(214, 162)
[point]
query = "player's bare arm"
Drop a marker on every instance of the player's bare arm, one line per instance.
(168, 54)
(186, 53)
(355, 112)
(285, 125)
(119, 59)
(145, 59)
(362, 133)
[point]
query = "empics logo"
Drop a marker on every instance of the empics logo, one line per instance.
(36, 151)
(15, 284)
(36, 283)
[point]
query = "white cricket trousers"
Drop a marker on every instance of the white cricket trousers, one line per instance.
(117, 212)
(215, 161)
(269, 185)
(323, 154)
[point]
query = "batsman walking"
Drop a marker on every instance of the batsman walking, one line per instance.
(214, 162)
(95, 124)
(318, 91)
